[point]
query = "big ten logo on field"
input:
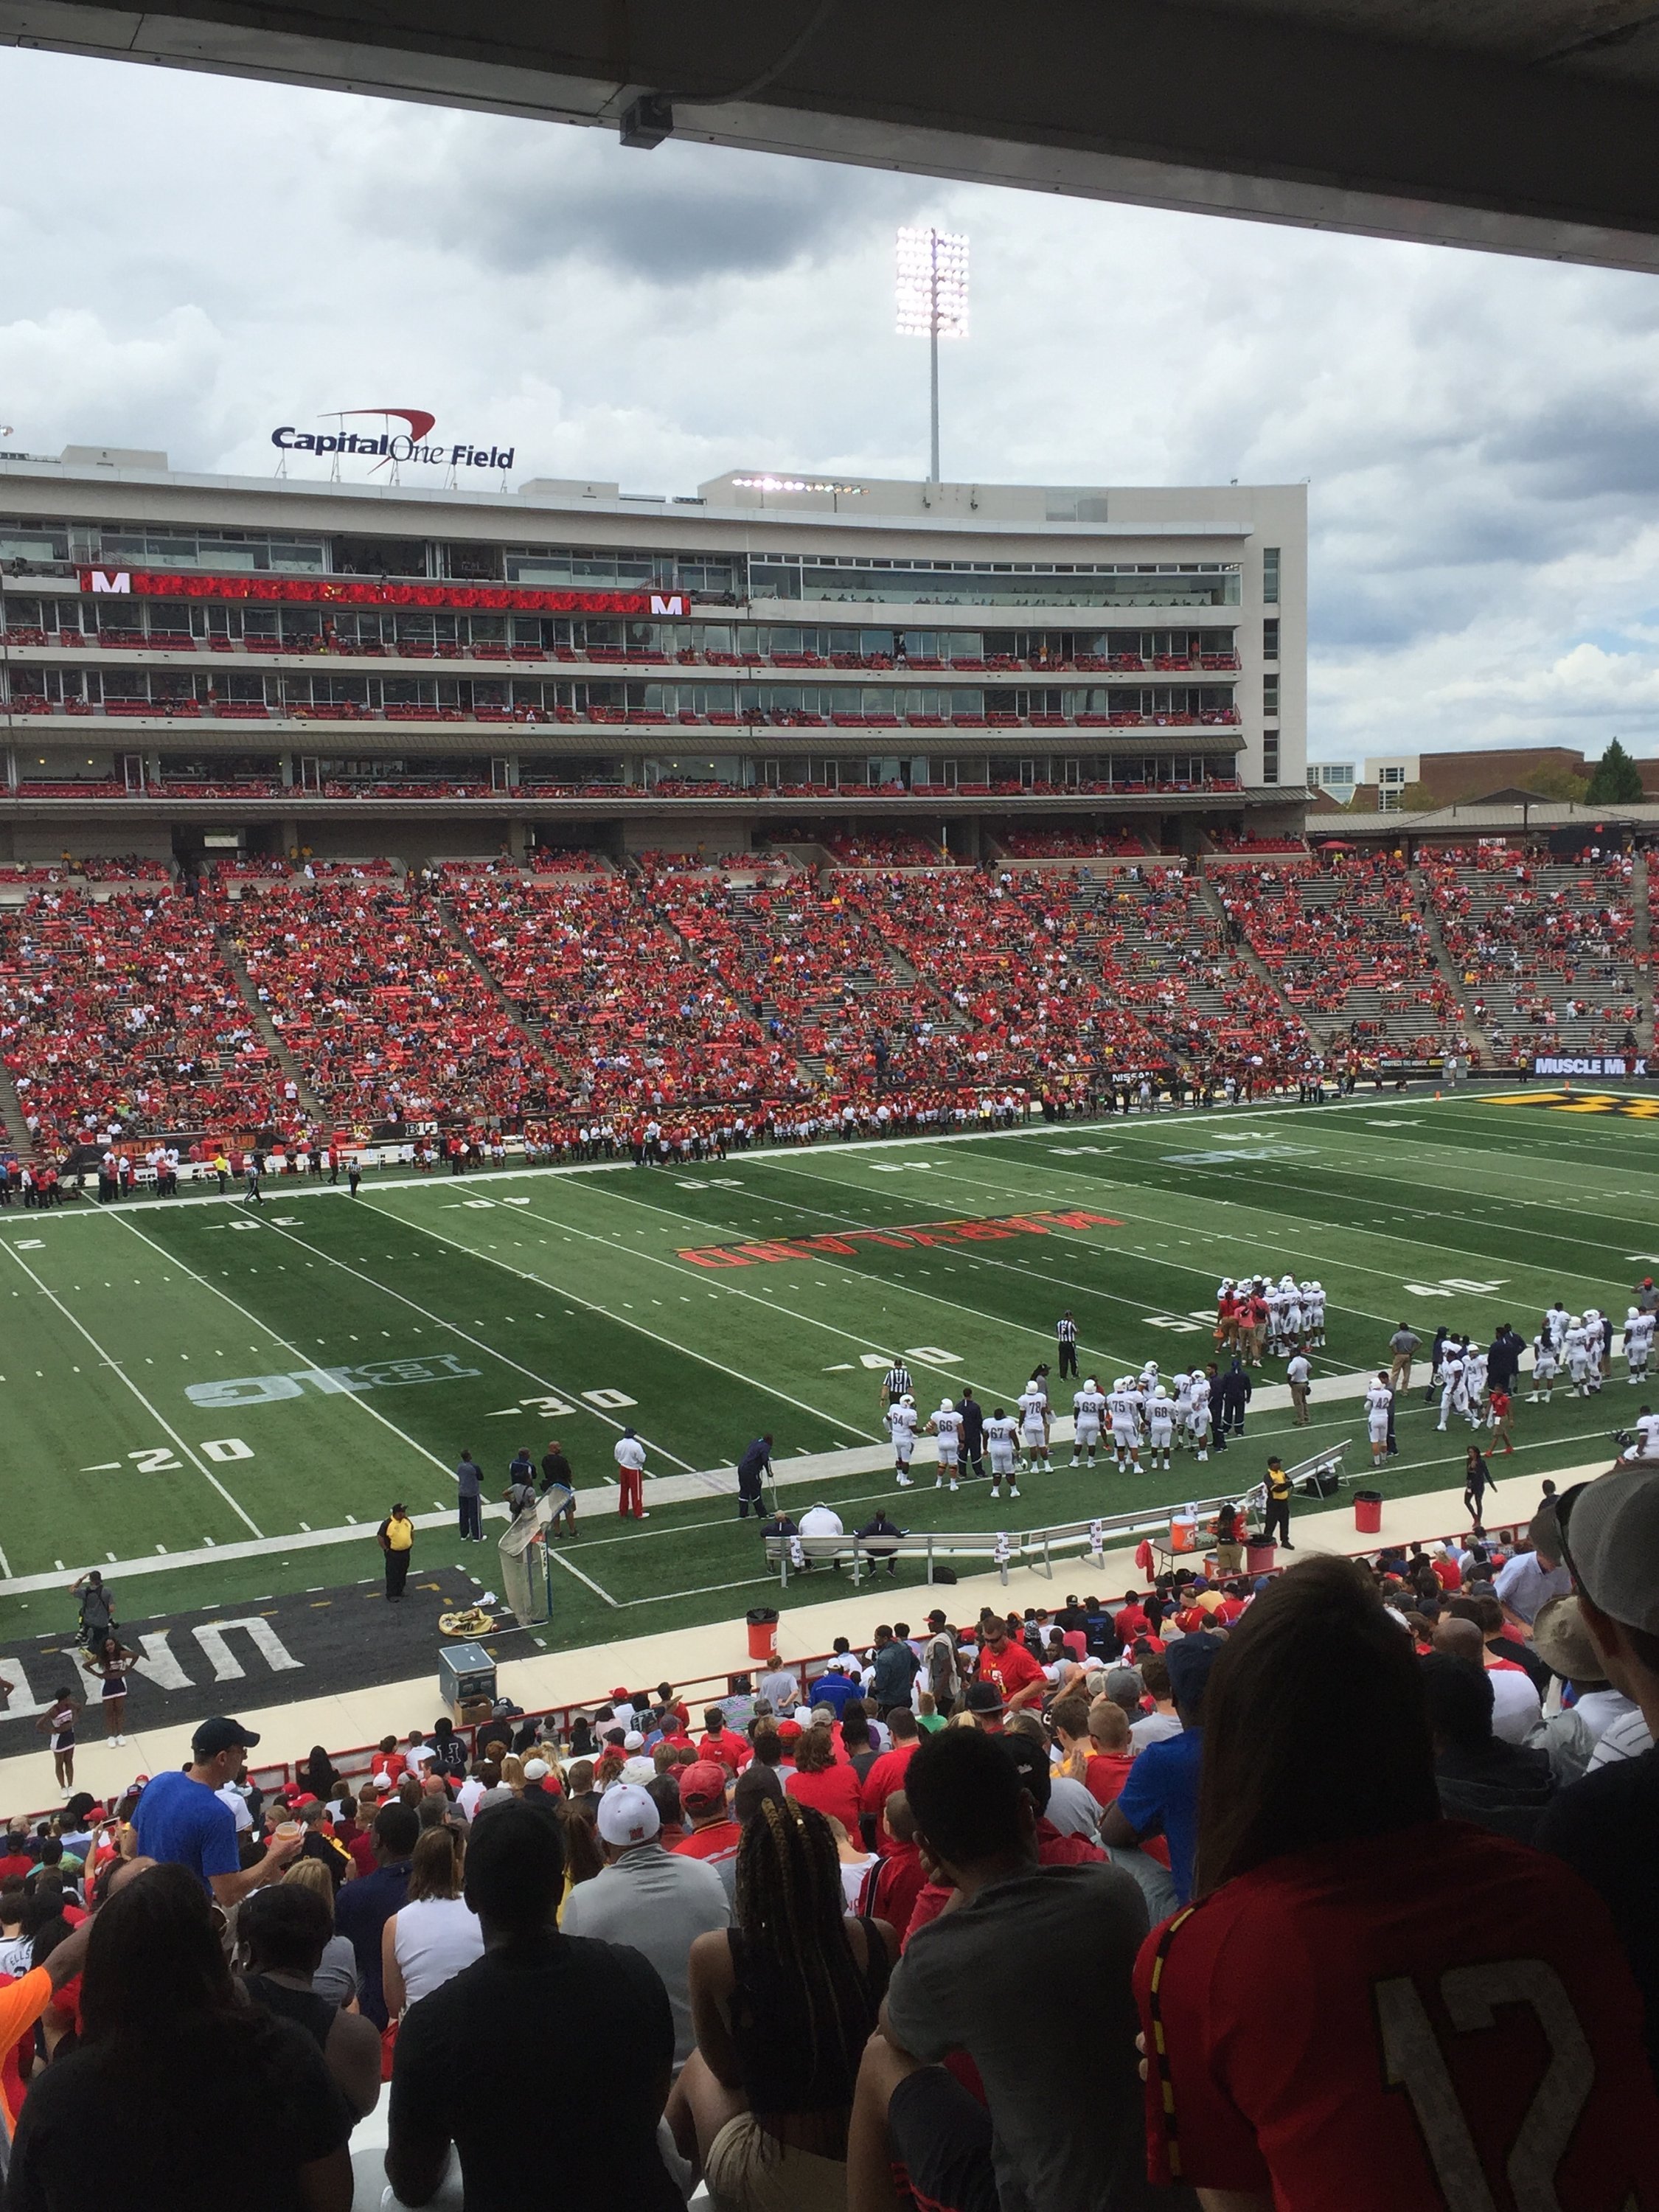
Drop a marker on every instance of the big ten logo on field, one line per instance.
(1582, 1102)
(331, 1382)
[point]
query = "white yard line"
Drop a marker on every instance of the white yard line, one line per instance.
(623, 1321)
(553, 1389)
(116, 1369)
(356, 1397)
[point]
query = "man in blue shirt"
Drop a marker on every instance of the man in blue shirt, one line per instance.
(182, 1820)
(1161, 1794)
(363, 1907)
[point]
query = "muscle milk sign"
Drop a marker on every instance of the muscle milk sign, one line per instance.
(1606, 1064)
(400, 446)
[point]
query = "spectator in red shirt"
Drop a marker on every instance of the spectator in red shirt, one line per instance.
(17, 1864)
(898, 1877)
(388, 1759)
(1366, 2001)
(1130, 1620)
(887, 1775)
(828, 1784)
(1112, 1754)
(1008, 1666)
(723, 1744)
(713, 1835)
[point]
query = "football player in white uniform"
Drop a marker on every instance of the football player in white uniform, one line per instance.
(902, 1427)
(1558, 1321)
(1596, 1337)
(1088, 1404)
(1576, 1350)
(1638, 1343)
(1545, 1366)
(1475, 1385)
(946, 1425)
(1160, 1425)
(1034, 1425)
(1313, 1314)
(1452, 1365)
(1198, 1420)
(1378, 1400)
(1001, 1435)
(1123, 1408)
(1182, 1386)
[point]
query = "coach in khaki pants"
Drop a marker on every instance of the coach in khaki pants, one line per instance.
(1299, 1374)
(1403, 1344)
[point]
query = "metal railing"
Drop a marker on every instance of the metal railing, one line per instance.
(1037, 1548)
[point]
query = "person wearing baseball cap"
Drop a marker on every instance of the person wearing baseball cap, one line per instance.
(1606, 1827)
(714, 1835)
(656, 1900)
(182, 1820)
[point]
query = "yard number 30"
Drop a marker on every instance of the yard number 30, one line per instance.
(1416, 2062)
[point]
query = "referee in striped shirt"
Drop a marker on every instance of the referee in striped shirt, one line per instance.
(1065, 1332)
(895, 1383)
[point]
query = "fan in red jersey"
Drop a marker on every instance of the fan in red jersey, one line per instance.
(1369, 2005)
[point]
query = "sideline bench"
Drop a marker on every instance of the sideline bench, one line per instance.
(1037, 1548)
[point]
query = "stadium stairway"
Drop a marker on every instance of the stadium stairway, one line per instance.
(11, 1116)
(270, 1034)
(1240, 948)
(1450, 973)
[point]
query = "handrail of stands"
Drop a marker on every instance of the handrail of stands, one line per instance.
(1028, 1547)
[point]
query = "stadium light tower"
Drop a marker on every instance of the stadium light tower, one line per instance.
(932, 298)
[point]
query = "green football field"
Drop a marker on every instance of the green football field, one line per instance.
(189, 1377)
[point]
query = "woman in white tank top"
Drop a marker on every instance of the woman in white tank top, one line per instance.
(435, 1933)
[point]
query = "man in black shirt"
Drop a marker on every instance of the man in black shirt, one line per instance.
(559, 1484)
(1066, 1336)
(752, 1470)
(973, 1430)
(472, 2059)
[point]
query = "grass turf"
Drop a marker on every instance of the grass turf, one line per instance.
(494, 1312)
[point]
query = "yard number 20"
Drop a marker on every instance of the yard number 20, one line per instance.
(1417, 2063)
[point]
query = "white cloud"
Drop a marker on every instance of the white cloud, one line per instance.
(1480, 433)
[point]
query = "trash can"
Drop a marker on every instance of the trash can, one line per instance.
(1368, 1512)
(1260, 1556)
(762, 1632)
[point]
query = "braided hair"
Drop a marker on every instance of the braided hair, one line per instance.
(790, 1909)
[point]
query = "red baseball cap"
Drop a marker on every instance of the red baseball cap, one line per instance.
(703, 1784)
(788, 1732)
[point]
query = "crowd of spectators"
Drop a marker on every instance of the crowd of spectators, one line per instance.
(1546, 951)
(1344, 942)
(119, 1013)
(381, 1006)
(1343, 1872)
(676, 993)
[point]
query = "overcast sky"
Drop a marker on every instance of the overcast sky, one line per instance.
(189, 260)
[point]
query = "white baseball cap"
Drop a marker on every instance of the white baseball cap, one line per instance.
(627, 1815)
